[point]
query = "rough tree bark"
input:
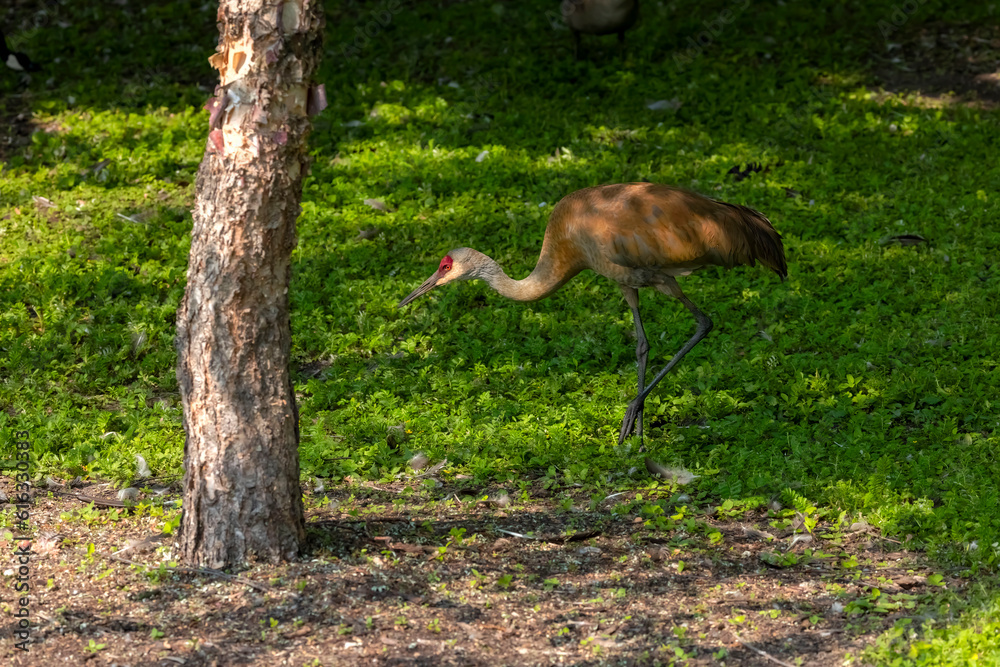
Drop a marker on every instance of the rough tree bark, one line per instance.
(241, 487)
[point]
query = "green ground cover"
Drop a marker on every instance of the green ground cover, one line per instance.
(866, 383)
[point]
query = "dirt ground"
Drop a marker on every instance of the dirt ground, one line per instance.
(577, 587)
(946, 64)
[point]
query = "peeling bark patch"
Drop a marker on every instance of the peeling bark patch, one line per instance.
(215, 107)
(218, 61)
(216, 142)
(290, 16)
(297, 96)
(239, 60)
(317, 99)
(259, 116)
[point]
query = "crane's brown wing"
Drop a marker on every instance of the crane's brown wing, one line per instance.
(649, 226)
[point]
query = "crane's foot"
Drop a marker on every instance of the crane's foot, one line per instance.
(633, 416)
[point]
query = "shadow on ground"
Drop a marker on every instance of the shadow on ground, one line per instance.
(396, 575)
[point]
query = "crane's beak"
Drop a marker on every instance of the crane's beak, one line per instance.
(427, 286)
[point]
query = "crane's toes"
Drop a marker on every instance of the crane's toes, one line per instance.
(632, 415)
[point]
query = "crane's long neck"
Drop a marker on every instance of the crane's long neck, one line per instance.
(547, 277)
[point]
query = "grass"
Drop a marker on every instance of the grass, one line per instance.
(866, 383)
(956, 630)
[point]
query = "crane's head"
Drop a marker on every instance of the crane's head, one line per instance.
(459, 264)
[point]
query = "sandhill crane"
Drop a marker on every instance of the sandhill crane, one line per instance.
(639, 235)
(599, 17)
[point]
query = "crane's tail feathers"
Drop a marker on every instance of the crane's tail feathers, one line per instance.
(761, 241)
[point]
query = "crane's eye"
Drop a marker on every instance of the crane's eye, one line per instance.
(447, 267)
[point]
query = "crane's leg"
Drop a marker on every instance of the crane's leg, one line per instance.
(576, 44)
(641, 351)
(704, 326)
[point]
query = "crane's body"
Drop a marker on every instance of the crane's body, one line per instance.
(638, 235)
(599, 17)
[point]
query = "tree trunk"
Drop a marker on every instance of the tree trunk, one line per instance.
(241, 488)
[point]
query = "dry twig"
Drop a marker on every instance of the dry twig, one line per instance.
(763, 653)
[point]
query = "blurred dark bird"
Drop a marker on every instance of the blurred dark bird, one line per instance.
(599, 17)
(639, 235)
(16, 60)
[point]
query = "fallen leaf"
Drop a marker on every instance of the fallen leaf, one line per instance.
(141, 467)
(662, 105)
(47, 543)
(908, 581)
(802, 537)
(42, 203)
(434, 469)
(679, 475)
(501, 499)
(418, 461)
